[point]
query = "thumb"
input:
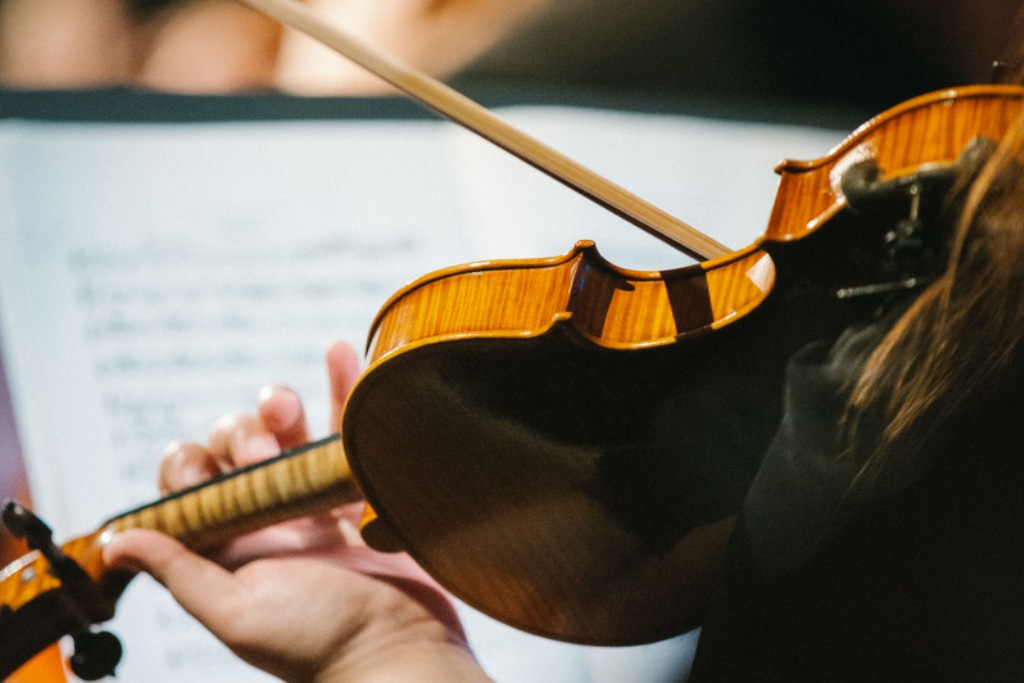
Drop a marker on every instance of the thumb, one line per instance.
(342, 372)
(194, 581)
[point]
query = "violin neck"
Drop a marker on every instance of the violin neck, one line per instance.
(307, 480)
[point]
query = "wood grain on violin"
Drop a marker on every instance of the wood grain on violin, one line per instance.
(610, 306)
(932, 128)
(564, 444)
(313, 478)
(38, 608)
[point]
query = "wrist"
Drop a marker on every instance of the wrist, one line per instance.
(425, 652)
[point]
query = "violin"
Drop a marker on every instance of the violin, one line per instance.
(564, 444)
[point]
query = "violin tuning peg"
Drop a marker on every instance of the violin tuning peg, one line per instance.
(23, 524)
(96, 655)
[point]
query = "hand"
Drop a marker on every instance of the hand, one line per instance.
(223, 46)
(307, 600)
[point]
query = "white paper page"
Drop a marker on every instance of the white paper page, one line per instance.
(718, 176)
(153, 278)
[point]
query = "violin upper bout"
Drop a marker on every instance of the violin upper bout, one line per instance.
(37, 608)
(604, 304)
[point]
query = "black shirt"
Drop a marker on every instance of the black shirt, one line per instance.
(920, 579)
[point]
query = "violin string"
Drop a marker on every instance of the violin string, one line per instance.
(460, 109)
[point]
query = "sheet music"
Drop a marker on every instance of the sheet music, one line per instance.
(154, 277)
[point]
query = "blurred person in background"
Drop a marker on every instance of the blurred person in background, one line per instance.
(309, 602)
(869, 52)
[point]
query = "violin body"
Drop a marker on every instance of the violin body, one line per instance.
(566, 486)
(565, 444)
(561, 484)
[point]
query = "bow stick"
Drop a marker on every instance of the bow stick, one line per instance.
(455, 106)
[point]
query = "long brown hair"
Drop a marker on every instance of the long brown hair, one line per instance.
(963, 332)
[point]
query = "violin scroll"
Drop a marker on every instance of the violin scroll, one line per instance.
(48, 593)
(57, 591)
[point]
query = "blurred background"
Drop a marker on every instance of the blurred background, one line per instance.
(129, 129)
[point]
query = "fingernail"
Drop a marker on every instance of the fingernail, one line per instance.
(171, 448)
(262, 446)
(114, 560)
(280, 408)
(191, 474)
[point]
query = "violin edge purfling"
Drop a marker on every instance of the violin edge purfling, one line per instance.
(691, 305)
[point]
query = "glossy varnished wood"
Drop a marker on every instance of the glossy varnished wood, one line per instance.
(311, 479)
(565, 485)
(609, 306)
(40, 608)
(563, 443)
(932, 128)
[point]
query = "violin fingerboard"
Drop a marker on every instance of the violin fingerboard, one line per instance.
(313, 478)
